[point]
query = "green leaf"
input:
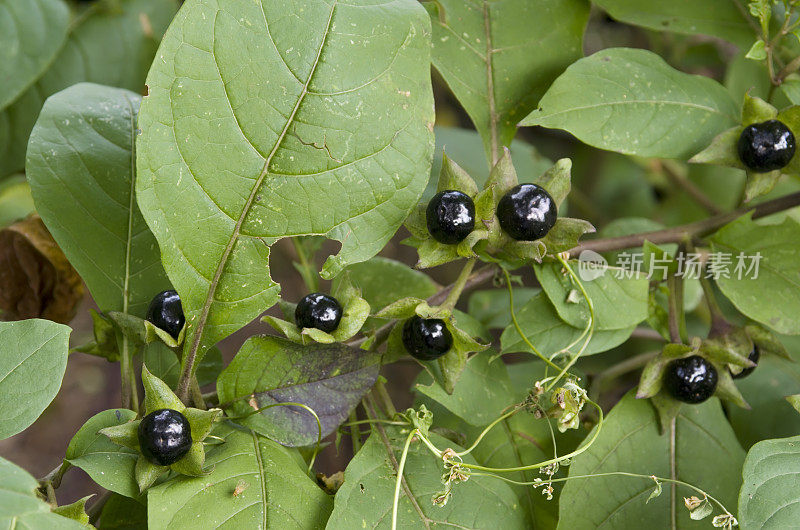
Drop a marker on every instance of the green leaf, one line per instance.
(31, 368)
(75, 511)
(337, 143)
(19, 505)
(482, 393)
(769, 496)
(107, 46)
(122, 513)
(498, 58)
(80, 167)
(632, 102)
(328, 378)
(108, 464)
(277, 494)
(718, 18)
(545, 330)
(365, 498)
(619, 296)
(757, 51)
(31, 34)
(773, 297)
(706, 454)
(490, 307)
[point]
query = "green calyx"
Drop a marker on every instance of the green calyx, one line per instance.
(159, 396)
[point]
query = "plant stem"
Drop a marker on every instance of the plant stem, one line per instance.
(690, 188)
(628, 365)
(458, 286)
(355, 435)
(96, 508)
(126, 376)
(307, 270)
(519, 328)
(692, 230)
(486, 431)
(370, 410)
(197, 394)
(400, 478)
(386, 399)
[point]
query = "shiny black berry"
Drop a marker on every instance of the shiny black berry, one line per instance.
(754, 356)
(320, 311)
(691, 380)
(527, 212)
(165, 436)
(165, 312)
(766, 146)
(426, 339)
(450, 216)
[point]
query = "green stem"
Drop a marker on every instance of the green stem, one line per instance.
(486, 431)
(355, 435)
(399, 480)
(197, 394)
(519, 328)
(589, 327)
(307, 270)
(611, 474)
(126, 376)
(386, 399)
(546, 463)
(458, 286)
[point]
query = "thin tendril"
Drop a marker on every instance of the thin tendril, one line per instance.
(517, 326)
(487, 429)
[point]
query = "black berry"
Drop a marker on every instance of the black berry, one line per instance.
(426, 339)
(450, 216)
(165, 436)
(319, 311)
(766, 146)
(754, 356)
(527, 212)
(166, 312)
(691, 380)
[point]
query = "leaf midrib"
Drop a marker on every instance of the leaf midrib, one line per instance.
(192, 354)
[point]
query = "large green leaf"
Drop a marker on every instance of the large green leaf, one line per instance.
(700, 447)
(545, 330)
(31, 33)
(253, 483)
(619, 297)
(499, 57)
(108, 464)
(32, 365)
(81, 169)
(632, 102)
(770, 498)
(329, 378)
(20, 508)
(108, 45)
(772, 296)
(719, 18)
(365, 498)
(491, 307)
(268, 119)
